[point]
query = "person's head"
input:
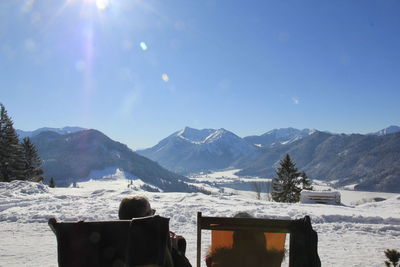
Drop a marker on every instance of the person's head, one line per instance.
(245, 239)
(134, 207)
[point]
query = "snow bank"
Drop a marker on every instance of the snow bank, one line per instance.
(348, 235)
(21, 188)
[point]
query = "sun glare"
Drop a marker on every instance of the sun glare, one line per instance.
(102, 4)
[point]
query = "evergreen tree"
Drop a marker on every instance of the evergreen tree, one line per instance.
(11, 156)
(286, 187)
(305, 182)
(33, 170)
(257, 186)
(393, 257)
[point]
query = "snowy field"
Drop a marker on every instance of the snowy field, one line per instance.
(349, 235)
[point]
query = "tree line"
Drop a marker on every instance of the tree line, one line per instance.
(18, 160)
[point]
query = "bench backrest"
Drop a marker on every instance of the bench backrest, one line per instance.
(142, 241)
(267, 237)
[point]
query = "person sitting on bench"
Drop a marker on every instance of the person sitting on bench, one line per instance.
(139, 206)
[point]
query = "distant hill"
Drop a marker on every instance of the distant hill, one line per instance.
(388, 130)
(370, 161)
(278, 136)
(73, 156)
(65, 130)
(192, 150)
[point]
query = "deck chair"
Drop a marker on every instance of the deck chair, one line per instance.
(136, 242)
(263, 242)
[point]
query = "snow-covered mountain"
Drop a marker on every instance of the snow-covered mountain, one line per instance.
(370, 162)
(65, 130)
(389, 130)
(278, 136)
(191, 150)
(76, 156)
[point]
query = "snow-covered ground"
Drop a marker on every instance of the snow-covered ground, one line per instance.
(348, 235)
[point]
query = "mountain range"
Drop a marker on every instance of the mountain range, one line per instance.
(190, 150)
(278, 136)
(369, 161)
(73, 156)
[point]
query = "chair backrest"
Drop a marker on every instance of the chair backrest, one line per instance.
(141, 241)
(257, 242)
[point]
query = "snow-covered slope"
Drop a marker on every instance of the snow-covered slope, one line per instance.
(192, 150)
(388, 130)
(348, 235)
(193, 136)
(278, 136)
(70, 158)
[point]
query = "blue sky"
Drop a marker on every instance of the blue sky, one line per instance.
(140, 70)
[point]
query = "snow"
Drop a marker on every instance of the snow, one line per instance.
(292, 140)
(194, 136)
(349, 235)
(221, 174)
(215, 136)
(205, 136)
(389, 130)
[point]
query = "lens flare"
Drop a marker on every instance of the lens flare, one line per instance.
(102, 4)
(165, 77)
(143, 45)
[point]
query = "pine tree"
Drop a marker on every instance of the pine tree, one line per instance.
(257, 186)
(305, 182)
(393, 257)
(33, 170)
(286, 186)
(11, 156)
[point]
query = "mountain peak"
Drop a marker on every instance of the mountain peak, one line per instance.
(388, 130)
(194, 135)
(191, 150)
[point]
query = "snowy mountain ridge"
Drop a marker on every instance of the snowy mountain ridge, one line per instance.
(389, 130)
(193, 135)
(281, 136)
(65, 130)
(190, 150)
(199, 137)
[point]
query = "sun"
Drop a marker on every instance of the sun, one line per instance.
(102, 4)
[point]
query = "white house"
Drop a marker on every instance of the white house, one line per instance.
(320, 197)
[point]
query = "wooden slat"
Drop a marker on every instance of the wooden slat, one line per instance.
(230, 224)
(198, 239)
